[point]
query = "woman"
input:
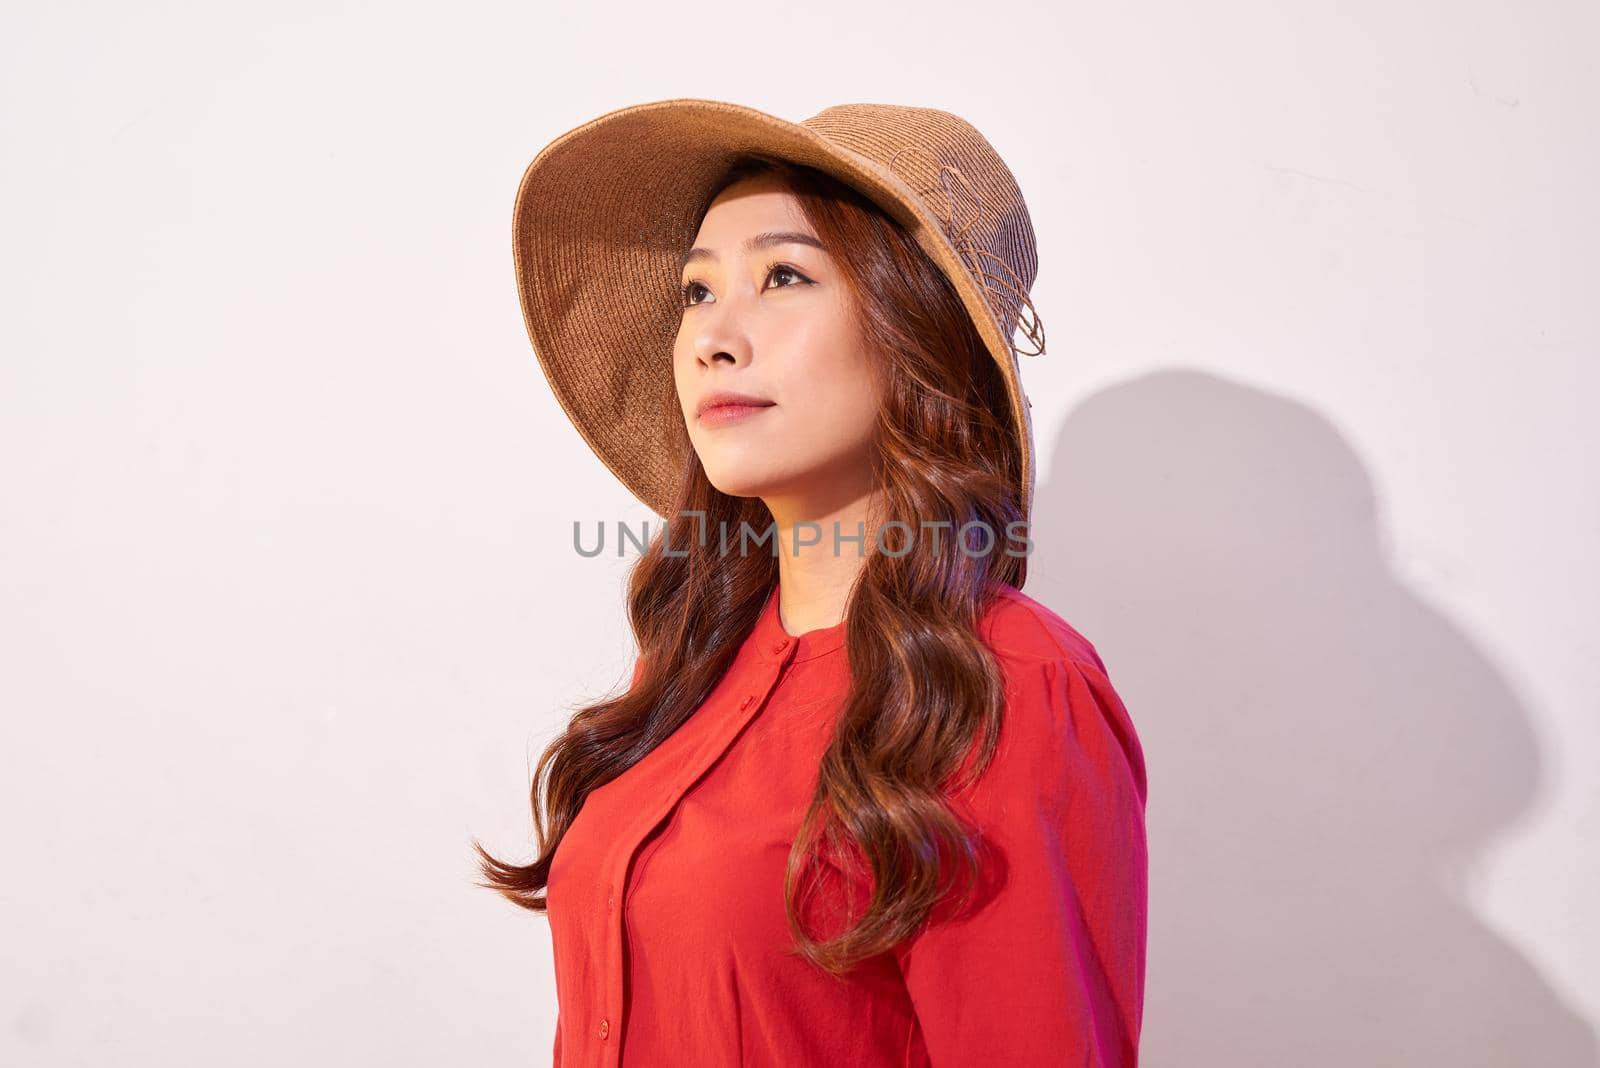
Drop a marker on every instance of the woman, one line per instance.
(865, 802)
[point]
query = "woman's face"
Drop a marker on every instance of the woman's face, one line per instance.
(769, 317)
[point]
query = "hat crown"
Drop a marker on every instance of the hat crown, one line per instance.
(958, 177)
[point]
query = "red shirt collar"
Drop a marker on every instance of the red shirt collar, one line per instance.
(774, 643)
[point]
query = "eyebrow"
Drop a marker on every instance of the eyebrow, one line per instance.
(764, 239)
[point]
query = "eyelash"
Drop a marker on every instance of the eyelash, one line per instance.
(683, 294)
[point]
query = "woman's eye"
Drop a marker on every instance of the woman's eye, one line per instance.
(783, 268)
(691, 288)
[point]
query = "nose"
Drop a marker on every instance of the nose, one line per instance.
(716, 333)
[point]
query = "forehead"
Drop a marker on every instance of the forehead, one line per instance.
(749, 206)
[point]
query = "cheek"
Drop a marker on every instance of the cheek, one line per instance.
(841, 394)
(682, 363)
(851, 415)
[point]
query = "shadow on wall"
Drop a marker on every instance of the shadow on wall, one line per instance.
(1327, 754)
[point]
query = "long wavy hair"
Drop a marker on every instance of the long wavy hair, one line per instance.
(926, 697)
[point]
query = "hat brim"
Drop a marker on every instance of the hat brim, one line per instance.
(603, 215)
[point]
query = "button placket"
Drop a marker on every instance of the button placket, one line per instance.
(703, 759)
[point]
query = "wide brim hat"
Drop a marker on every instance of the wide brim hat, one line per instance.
(605, 212)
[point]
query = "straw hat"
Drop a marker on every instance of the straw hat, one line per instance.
(604, 213)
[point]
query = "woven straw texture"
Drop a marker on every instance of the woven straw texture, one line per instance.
(604, 212)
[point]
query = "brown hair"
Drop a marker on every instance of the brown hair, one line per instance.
(925, 691)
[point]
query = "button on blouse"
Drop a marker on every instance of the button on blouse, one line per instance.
(666, 904)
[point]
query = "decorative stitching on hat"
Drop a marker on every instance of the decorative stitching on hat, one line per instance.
(1003, 291)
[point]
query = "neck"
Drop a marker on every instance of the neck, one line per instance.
(816, 575)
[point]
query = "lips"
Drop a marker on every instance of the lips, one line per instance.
(723, 406)
(723, 414)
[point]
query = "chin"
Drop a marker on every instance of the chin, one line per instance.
(748, 476)
(739, 486)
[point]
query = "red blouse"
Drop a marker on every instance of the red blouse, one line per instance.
(666, 902)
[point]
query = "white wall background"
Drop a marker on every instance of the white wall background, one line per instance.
(288, 602)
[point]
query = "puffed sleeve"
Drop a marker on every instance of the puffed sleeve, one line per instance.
(1046, 965)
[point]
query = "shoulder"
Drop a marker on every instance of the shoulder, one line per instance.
(1064, 720)
(1019, 629)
